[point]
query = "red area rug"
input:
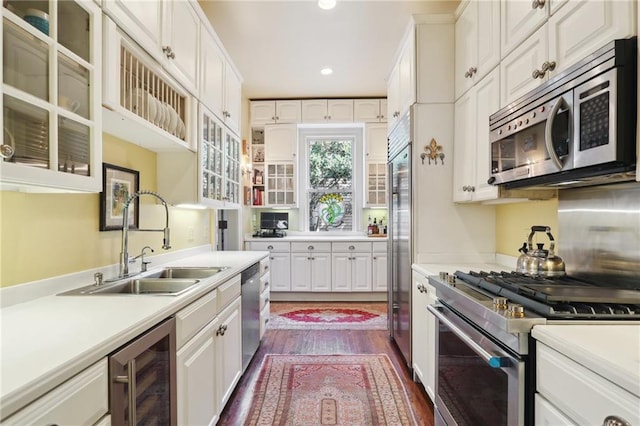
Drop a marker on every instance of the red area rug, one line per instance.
(333, 316)
(329, 390)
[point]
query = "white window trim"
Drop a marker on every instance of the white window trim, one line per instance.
(344, 132)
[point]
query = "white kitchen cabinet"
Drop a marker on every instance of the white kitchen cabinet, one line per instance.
(327, 111)
(311, 266)
(548, 415)
(265, 294)
(280, 188)
(379, 267)
(51, 93)
(375, 142)
(424, 66)
(477, 35)
(518, 20)
(210, 177)
(471, 162)
(281, 142)
(572, 33)
(272, 112)
(220, 84)
(581, 395)
(141, 19)
(423, 332)
(351, 265)
(376, 181)
(180, 42)
(81, 400)
(228, 347)
(196, 378)
(370, 110)
(279, 263)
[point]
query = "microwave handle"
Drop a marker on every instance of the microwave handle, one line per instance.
(548, 136)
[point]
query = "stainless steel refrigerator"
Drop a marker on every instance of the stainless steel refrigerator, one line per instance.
(399, 234)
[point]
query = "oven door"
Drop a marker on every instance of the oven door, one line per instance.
(477, 381)
(538, 143)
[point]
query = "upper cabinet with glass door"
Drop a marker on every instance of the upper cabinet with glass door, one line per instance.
(51, 75)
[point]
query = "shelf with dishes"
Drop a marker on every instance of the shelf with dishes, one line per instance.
(141, 102)
(50, 94)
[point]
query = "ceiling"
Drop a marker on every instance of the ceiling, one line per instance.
(279, 47)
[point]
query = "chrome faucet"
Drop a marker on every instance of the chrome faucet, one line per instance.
(143, 263)
(124, 255)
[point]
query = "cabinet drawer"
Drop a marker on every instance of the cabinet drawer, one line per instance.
(195, 316)
(228, 291)
(270, 246)
(264, 318)
(264, 265)
(584, 396)
(82, 400)
(316, 246)
(351, 246)
(264, 282)
(379, 247)
(264, 299)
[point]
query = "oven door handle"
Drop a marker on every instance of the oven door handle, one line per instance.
(494, 361)
(548, 134)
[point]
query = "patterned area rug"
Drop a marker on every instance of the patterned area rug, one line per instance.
(329, 390)
(328, 316)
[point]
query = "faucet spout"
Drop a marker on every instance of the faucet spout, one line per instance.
(124, 253)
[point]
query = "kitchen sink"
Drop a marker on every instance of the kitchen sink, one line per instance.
(138, 286)
(186, 272)
(169, 281)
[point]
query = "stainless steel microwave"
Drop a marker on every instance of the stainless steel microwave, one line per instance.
(576, 129)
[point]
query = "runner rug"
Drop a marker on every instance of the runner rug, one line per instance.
(310, 390)
(328, 316)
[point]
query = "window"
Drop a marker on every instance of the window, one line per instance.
(331, 179)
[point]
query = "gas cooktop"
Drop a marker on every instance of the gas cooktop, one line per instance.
(558, 297)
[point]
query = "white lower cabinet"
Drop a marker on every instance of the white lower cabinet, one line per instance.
(280, 263)
(577, 394)
(379, 267)
(311, 267)
(81, 400)
(423, 332)
(351, 264)
(196, 364)
(209, 357)
(228, 352)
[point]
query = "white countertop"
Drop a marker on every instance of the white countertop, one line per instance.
(318, 237)
(435, 268)
(46, 341)
(612, 351)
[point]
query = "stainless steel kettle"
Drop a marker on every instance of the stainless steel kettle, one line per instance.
(540, 262)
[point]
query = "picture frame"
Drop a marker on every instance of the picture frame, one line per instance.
(118, 183)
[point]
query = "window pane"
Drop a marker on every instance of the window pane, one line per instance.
(330, 211)
(330, 164)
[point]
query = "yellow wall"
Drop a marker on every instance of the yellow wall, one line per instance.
(514, 221)
(45, 235)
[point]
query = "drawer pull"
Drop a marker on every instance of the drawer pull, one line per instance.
(615, 421)
(352, 247)
(310, 248)
(269, 247)
(266, 300)
(266, 284)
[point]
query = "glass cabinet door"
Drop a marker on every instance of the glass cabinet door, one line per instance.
(51, 94)
(211, 158)
(232, 168)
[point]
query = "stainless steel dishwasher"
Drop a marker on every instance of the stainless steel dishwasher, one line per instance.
(250, 292)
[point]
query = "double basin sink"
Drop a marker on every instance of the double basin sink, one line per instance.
(171, 281)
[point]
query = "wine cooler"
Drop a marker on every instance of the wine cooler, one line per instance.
(142, 389)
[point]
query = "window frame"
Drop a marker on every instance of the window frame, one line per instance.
(354, 133)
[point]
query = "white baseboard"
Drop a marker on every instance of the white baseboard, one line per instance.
(282, 296)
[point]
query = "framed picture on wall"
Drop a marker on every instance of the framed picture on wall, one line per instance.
(118, 184)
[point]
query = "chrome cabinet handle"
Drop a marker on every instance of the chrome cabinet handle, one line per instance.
(470, 72)
(615, 421)
(6, 151)
(169, 52)
(310, 248)
(352, 247)
(269, 247)
(537, 4)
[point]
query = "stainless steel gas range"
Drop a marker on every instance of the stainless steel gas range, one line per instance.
(485, 364)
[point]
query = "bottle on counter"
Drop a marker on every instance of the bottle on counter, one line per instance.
(370, 227)
(375, 230)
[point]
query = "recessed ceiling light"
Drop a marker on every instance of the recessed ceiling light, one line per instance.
(326, 4)
(326, 71)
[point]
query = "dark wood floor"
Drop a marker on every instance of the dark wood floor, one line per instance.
(322, 342)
